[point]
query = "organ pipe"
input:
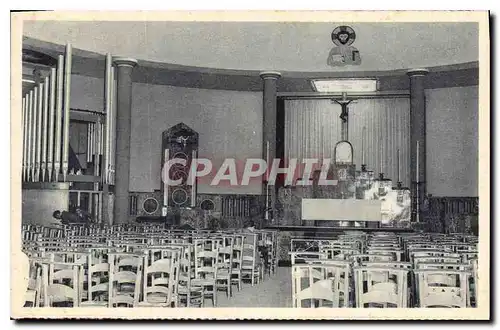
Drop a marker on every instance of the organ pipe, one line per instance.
(50, 156)
(35, 157)
(67, 104)
(89, 153)
(112, 125)
(29, 136)
(58, 122)
(25, 100)
(101, 144)
(91, 142)
(45, 118)
(39, 132)
(108, 87)
(97, 146)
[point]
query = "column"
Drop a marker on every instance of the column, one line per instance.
(124, 69)
(417, 137)
(270, 79)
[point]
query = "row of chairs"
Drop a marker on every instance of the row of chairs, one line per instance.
(384, 270)
(143, 267)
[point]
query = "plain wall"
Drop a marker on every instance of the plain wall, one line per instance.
(229, 125)
(452, 141)
(39, 205)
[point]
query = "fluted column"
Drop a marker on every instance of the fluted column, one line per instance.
(417, 138)
(124, 69)
(270, 79)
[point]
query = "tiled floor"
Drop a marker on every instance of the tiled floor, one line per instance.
(275, 291)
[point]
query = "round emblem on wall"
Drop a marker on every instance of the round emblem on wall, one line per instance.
(343, 36)
(150, 205)
(207, 205)
(179, 196)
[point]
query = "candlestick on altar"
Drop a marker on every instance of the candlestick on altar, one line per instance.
(363, 146)
(417, 172)
(417, 188)
(381, 163)
(399, 168)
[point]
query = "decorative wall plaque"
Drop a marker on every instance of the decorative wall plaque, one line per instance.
(343, 53)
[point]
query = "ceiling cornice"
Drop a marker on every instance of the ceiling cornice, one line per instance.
(92, 64)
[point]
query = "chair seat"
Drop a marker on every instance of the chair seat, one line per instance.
(184, 289)
(223, 272)
(156, 298)
(153, 304)
(93, 303)
(202, 281)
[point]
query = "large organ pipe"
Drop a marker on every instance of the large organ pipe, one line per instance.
(39, 132)
(45, 118)
(36, 136)
(89, 154)
(112, 120)
(50, 156)
(29, 128)
(101, 144)
(97, 148)
(23, 175)
(67, 104)
(92, 132)
(108, 87)
(58, 123)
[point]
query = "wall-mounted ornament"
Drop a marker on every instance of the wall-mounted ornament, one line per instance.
(343, 53)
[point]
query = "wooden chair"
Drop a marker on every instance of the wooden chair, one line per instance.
(442, 288)
(320, 285)
(125, 277)
(381, 287)
(189, 294)
(251, 267)
(98, 282)
(33, 292)
(160, 280)
(396, 253)
(237, 260)
(225, 264)
(61, 284)
(301, 257)
(206, 268)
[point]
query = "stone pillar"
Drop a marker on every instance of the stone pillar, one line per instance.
(124, 69)
(270, 79)
(417, 134)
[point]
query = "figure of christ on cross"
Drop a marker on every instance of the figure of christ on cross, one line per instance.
(344, 115)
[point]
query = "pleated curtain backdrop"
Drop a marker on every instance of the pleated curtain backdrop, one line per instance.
(313, 127)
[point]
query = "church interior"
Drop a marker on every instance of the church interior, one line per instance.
(385, 214)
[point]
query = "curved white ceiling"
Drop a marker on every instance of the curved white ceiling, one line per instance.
(290, 46)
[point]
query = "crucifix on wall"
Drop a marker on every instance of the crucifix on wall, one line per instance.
(344, 116)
